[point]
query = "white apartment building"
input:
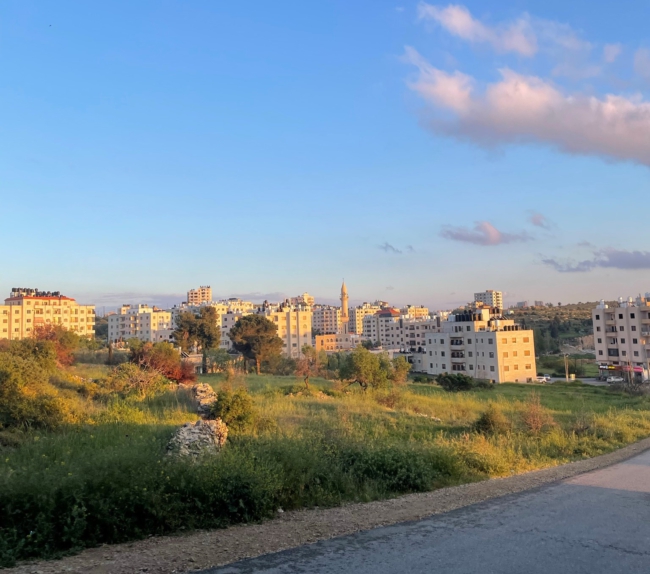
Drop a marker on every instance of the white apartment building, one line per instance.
(622, 337)
(490, 298)
(201, 295)
(326, 319)
(395, 331)
(481, 345)
(357, 315)
(140, 322)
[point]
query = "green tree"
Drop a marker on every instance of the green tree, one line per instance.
(309, 364)
(366, 368)
(255, 337)
(401, 369)
(184, 334)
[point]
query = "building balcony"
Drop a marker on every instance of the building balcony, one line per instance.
(457, 359)
(610, 321)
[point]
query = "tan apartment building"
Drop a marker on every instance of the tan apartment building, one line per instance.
(336, 342)
(305, 299)
(358, 313)
(148, 324)
(201, 295)
(27, 309)
(415, 312)
(490, 298)
(622, 337)
(294, 326)
(480, 344)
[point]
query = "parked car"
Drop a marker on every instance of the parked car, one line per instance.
(543, 378)
(615, 380)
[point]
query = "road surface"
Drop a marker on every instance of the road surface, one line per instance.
(598, 522)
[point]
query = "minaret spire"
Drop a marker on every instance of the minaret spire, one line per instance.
(344, 308)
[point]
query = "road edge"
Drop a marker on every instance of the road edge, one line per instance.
(210, 549)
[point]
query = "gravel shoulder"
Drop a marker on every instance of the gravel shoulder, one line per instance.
(205, 549)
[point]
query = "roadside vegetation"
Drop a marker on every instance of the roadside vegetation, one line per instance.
(83, 445)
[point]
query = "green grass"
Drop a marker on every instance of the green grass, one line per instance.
(111, 481)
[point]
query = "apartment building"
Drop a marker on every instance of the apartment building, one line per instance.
(326, 319)
(481, 344)
(622, 337)
(357, 315)
(305, 299)
(148, 324)
(294, 326)
(201, 295)
(395, 331)
(27, 309)
(415, 312)
(490, 298)
(336, 342)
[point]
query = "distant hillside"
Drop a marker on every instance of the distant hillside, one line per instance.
(555, 326)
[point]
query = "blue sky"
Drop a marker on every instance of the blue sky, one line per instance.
(422, 151)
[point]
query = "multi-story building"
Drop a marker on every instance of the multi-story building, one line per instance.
(294, 326)
(305, 299)
(148, 324)
(336, 342)
(415, 312)
(28, 309)
(201, 295)
(326, 319)
(539, 303)
(395, 331)
(480, 344)
(490, 298)
(357, 315)
(622, 337)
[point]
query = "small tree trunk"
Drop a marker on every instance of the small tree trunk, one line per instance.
(204, 363)
(307, 381)
(110, 354)
(258, 365)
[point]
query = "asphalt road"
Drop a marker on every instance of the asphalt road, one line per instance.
(598, 522)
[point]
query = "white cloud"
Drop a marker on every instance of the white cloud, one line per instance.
(611, 52)
(539, 220)
(642, 63)
(457, 20)
(528, 109)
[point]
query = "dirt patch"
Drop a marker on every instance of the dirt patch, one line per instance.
(200, 550)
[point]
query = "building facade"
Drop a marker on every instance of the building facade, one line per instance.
(148, 324)
(326, 319)
(622, 337)
(392, 330)
(357, 315)
(25, 310)
(294, 326)
(304, 299)
(336, 342)
(490, 298)
(479, 344)
(201, 295)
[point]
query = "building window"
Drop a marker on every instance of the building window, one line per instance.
(621, 328)
(444, 366)
(631, 315)
(600, 352)
(514, 353)
(622, 341)
(506, 368)
(469, 341)
(624, 353)
(634, 341)
(597, 317)
(636, 353)
(491, 354)
(491, 368)
(600, 340)
(516, 367)
(514, 340)
(504, 341)
(529, 367)
(526, 339)
(490, 341)
(505, 355)
(633, 327)
(597, 328)
(620, 315)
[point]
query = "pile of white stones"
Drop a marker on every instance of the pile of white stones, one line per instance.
(202, 437)
(199, 438)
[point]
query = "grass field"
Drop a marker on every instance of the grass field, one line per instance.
(110, 481)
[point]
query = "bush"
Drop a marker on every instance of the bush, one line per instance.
(455, 382)
(535, 417)
(236, 409)
(492, 421)
(130, 380)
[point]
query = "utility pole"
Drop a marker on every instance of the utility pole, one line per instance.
(566, 367)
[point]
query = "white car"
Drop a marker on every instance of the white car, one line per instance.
(615, 380)
(543, 379)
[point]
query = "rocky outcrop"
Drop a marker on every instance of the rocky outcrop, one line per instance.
(199, 438)
(205, 398)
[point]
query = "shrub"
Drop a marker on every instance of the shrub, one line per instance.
(455, 382)
(492, 421)
(130, 380)
(535, 417)
(236, 409)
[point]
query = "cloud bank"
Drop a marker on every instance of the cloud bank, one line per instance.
(522, 108)
(483, 233)
(607, 258)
